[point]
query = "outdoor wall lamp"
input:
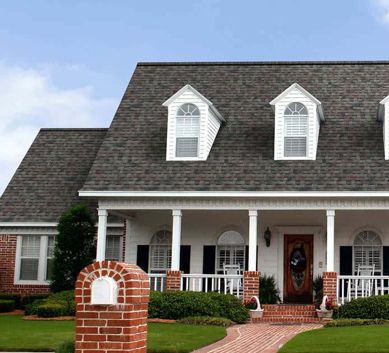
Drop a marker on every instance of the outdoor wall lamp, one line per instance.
(267, 236)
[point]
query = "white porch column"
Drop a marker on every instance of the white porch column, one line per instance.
(176, 240)
(253, 223)
(330, 240)
(101, 234)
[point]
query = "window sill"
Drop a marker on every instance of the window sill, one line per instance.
(31, 283)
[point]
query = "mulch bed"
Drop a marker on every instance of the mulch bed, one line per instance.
(59, 318)
(162, 321)
(15, 312)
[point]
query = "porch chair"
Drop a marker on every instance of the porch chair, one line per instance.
(233, 285)
(365, 289)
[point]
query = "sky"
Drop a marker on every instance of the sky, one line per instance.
(67, 63)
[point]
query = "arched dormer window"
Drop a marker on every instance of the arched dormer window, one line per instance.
(160, 252)
(367, 250)
(230, 250)
(295, 130)
(187, 130)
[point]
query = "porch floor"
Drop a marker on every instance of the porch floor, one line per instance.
(256, 338)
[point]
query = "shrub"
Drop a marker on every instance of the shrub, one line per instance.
(65, 299)
(206, 321)
(356, 322)
(268, 291)
(74, 247)
(317, 286)
(178, 305)
(376, 307)
(8, 296)
(66, 347)
(51, 310)
(29, 299)
(6, 305)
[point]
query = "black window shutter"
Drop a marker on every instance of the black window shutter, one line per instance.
(209, 258)
(142, 257)
(185, 258)
(246, 260)
(346, 260)
(385, 268)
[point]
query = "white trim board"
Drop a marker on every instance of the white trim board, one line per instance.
(47, 224)
(248, 194)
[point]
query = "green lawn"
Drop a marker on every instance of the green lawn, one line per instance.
(357, 339)
(20, 335)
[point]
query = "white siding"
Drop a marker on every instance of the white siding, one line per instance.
(295, 95)
(209, 126)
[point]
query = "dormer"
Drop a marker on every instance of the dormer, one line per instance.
(297, 124)
(193, 123)
(383, 115)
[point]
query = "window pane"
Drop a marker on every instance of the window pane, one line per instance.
(295, 146)
(188, 127)
(29, 269)
(295, 126)
(31, 246)
(186, 147)
(160, 259)
(112, 250)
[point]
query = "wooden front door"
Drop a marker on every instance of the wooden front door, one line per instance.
(298, 268)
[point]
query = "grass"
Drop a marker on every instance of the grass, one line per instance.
(179, 338)
(17, 334)
(357, 339)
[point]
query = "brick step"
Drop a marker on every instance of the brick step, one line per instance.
(290, 314)
(295, 320)
(289, 307)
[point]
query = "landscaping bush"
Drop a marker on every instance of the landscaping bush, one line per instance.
(8, 296)
(51, 310)
(29, 299)
(206, 321)
(356, 322)
(66, 347)
(376, 307)
(178, 305)
(6, 305)
(268, 291)
(63, 299)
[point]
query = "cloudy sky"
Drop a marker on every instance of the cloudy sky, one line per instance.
(66, 63)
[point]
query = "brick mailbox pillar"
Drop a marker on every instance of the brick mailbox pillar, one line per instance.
(329, 285)
(111, 308)
(250, 284)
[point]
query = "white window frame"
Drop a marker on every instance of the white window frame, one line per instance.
(380, 247)
(177, 136)
(120, 237)
(42, 264)
(232, 247)
(306, 136)
(166, 248)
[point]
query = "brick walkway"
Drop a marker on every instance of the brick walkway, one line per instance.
(256, 338)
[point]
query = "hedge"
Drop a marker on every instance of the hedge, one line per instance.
(56, 304)
(179, 305)
(6, 305)
(66, 347)
(355, 322)
(376, 307)
(206, 321)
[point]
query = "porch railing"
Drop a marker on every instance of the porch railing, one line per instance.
(353, 287)
(227, 284)
(157, 281)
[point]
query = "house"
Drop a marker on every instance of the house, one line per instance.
(211, 172)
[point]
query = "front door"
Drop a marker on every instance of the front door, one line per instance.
(298, 263)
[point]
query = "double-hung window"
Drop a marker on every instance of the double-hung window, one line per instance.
(113, 248)
(295, 130)
(35, 258)
(187, 131)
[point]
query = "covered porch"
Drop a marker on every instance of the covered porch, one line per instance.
(188, 248)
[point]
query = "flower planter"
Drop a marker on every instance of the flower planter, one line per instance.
(256, 314)
(324, 314)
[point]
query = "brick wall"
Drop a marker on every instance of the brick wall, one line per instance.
(112, 328)
(7, 270)
(173, 280)
(250, 284)
(329, 285)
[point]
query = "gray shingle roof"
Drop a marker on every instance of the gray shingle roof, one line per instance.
(50, 175)
(350, 150)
